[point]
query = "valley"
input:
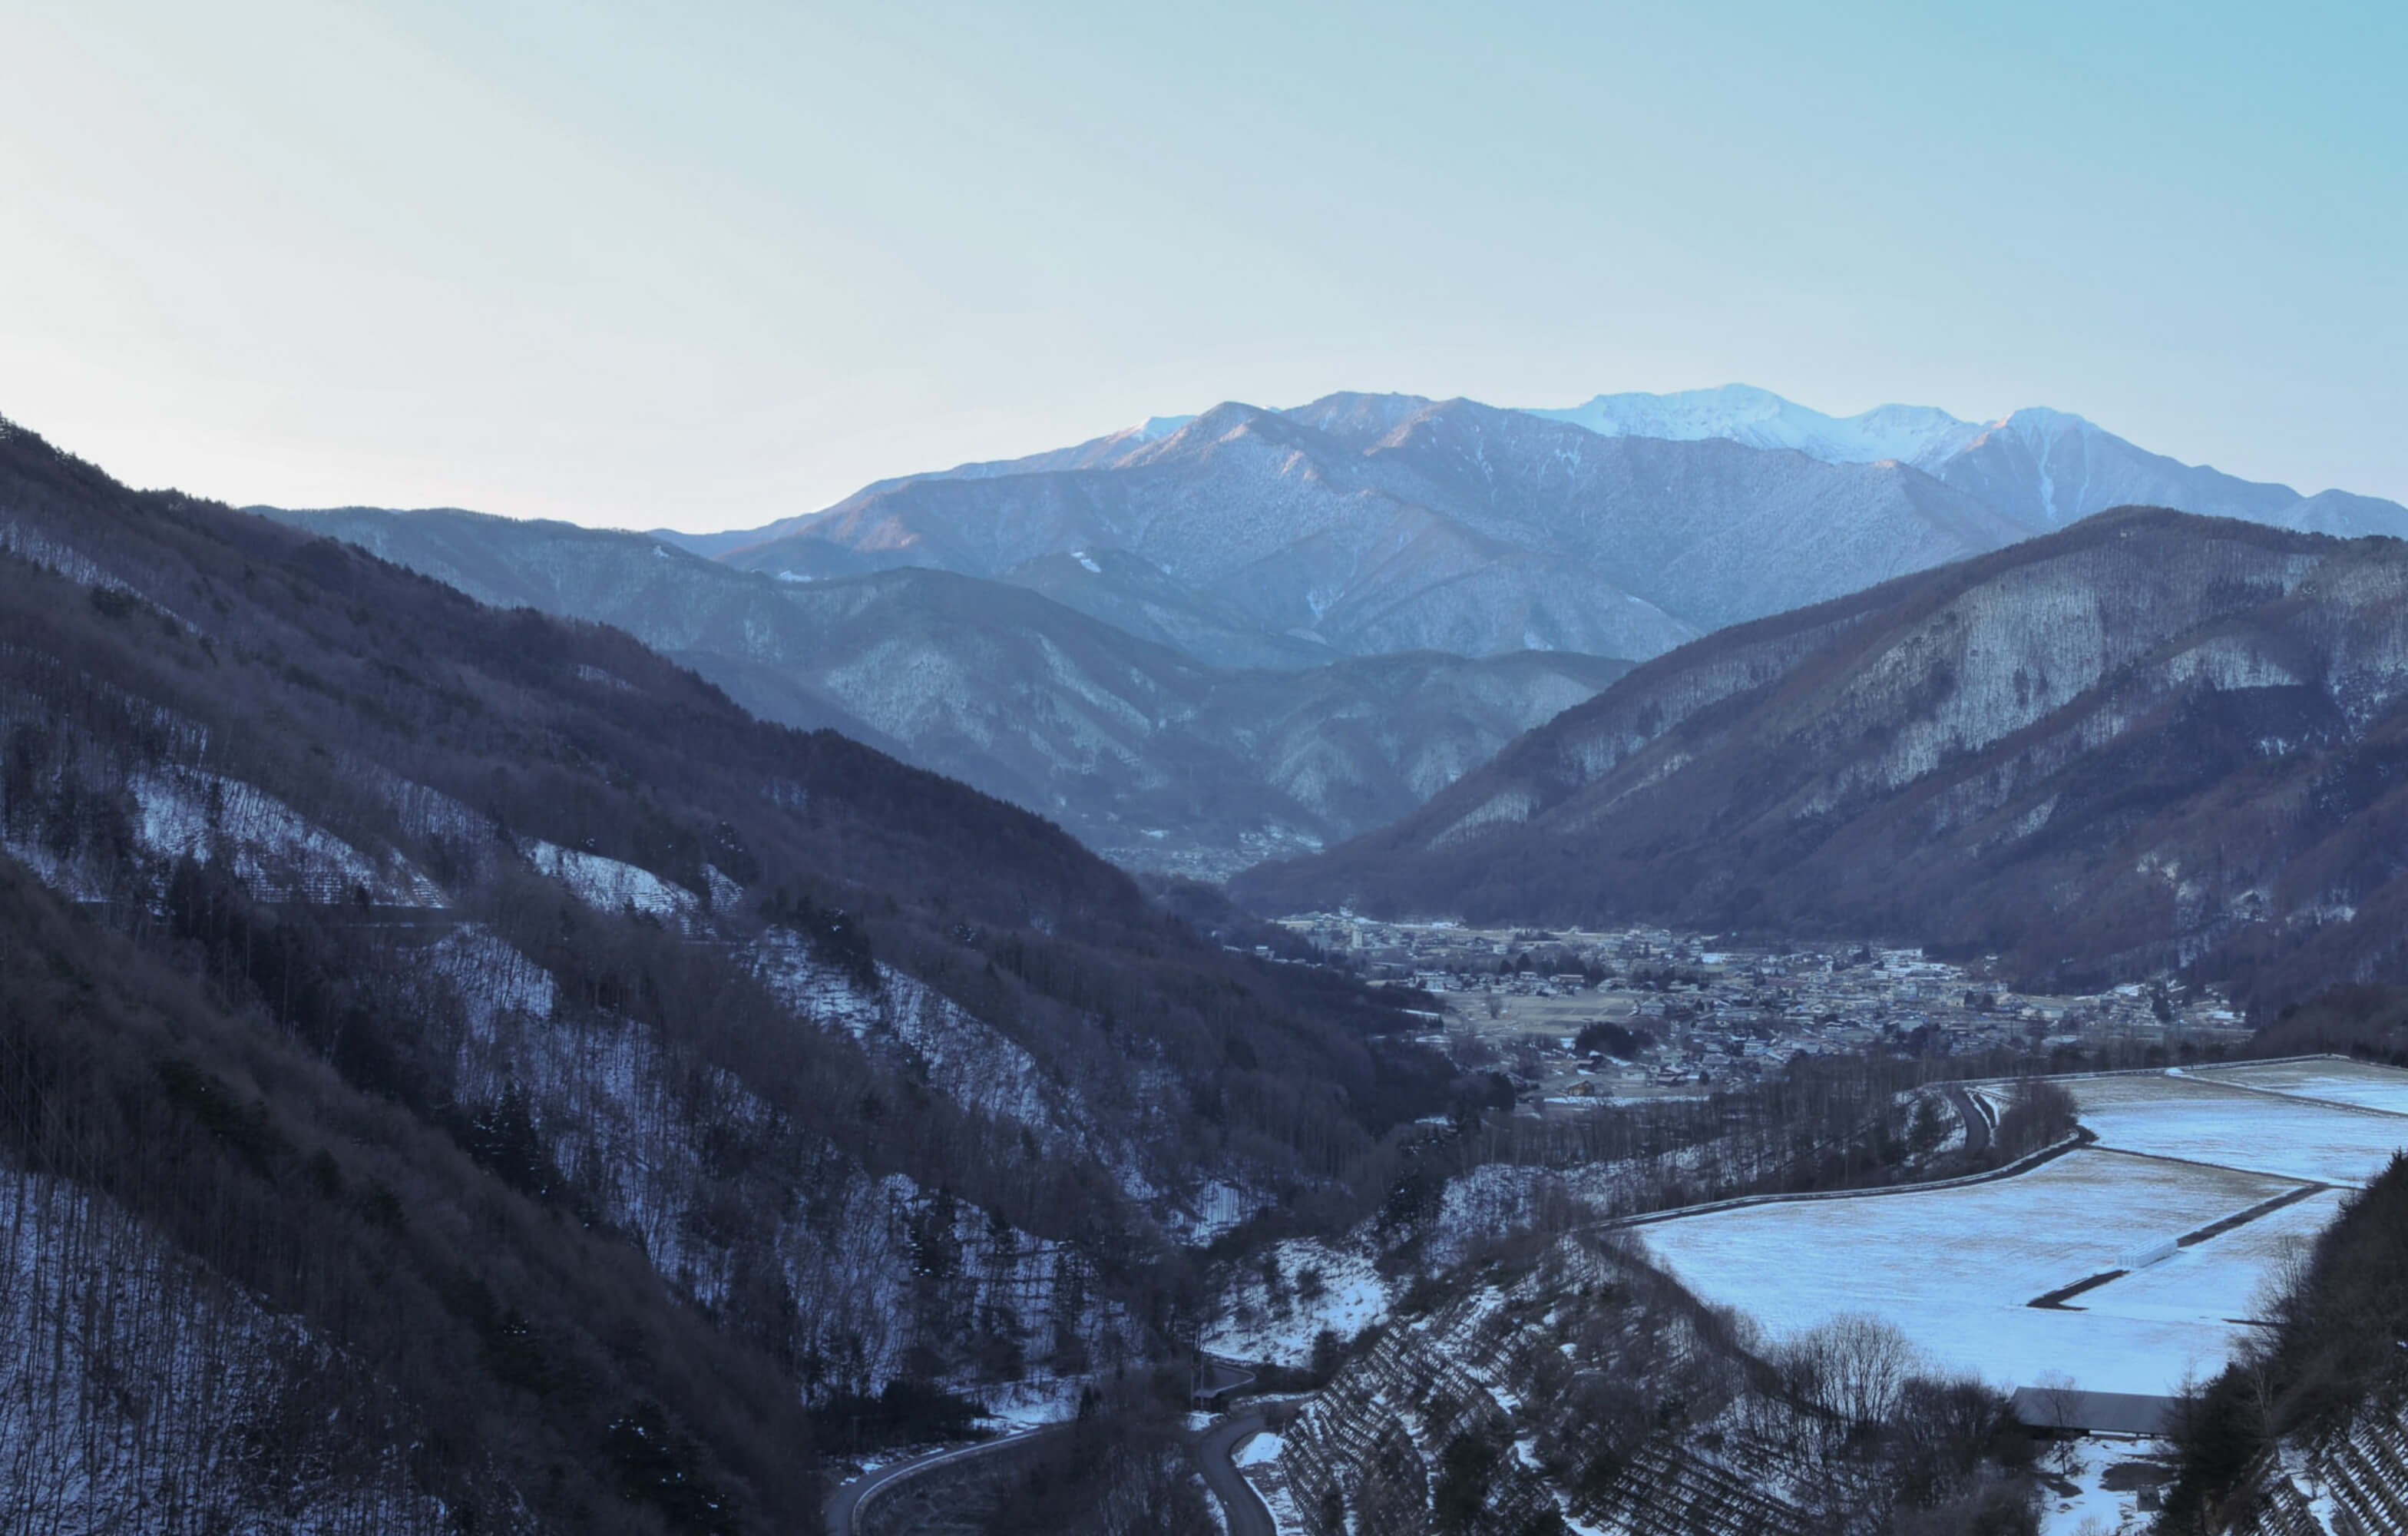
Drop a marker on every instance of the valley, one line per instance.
(2146, 744)
(795, 770)
(1689, 1012)
(1245, 636)
(1158, 750)
(921, 1120)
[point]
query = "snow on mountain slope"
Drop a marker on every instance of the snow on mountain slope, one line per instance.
(610, 884)
(1916, 435)
(2043, 467)
(1374, 524)
(641, 1133)
(162, 1382)
(959, 1055)
(282, 856)
(635, 1123)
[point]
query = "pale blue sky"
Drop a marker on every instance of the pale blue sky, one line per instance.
(708, 265)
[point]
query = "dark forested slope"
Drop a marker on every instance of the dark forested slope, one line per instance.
(474, 1016)
(2149, 740)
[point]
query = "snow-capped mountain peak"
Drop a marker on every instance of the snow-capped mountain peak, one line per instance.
(1155, 428)
(2040, 467)
(1916, 435)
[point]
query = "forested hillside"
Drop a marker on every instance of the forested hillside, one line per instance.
(470, 1023)
(2302, 1432)
(2149, 741)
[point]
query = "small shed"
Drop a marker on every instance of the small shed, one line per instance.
(2068, 1409)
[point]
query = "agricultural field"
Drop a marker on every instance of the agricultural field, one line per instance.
(2356, 1083)
(2166, 1115)
(2217, 1280)
(2198, 1191)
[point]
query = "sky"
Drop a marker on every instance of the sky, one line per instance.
(703, 265)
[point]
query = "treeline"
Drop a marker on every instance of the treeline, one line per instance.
(2367, 1021)
(1826, 1123)
(2334, 1353)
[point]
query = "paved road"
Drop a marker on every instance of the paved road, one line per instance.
(1247, 1514)
(1219, 1376)
(1977, 1125)
(1213, 1448)
(843, 1507)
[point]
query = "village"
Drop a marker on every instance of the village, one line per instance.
(1576, 1016)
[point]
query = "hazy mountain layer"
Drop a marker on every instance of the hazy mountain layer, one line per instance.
(1143, 752)
(2150, 740)
(1372, 523)
(1362, 523)
(2044, 468)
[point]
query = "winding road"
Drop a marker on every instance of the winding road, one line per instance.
(844, 1506)
(1216, 1457)
(1214, 1450)
(1977, 1122)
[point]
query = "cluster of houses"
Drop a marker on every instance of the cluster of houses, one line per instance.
(1574, 1014)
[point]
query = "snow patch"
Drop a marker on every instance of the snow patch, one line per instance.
(1319, 1288)
(279, 854)
(612, 885)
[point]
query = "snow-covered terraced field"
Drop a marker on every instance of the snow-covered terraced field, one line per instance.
(1955, 1270)
(2361, 1083)
(2169, 1116)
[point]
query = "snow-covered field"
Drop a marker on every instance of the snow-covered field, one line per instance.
(2169, 1116)
(2358, 1083)
(1955, 1270)
(2218, 1280)
(2094, 1509)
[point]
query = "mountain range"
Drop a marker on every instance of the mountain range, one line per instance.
(1213, 638)
(1364, 524)
(1373, 522)
(2044, 468)
(2148, 741)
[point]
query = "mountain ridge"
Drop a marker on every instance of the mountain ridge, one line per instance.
(2013, 458)
(2148, 741)
(1387, 522)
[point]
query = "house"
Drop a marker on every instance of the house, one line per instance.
(2064, 1409)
